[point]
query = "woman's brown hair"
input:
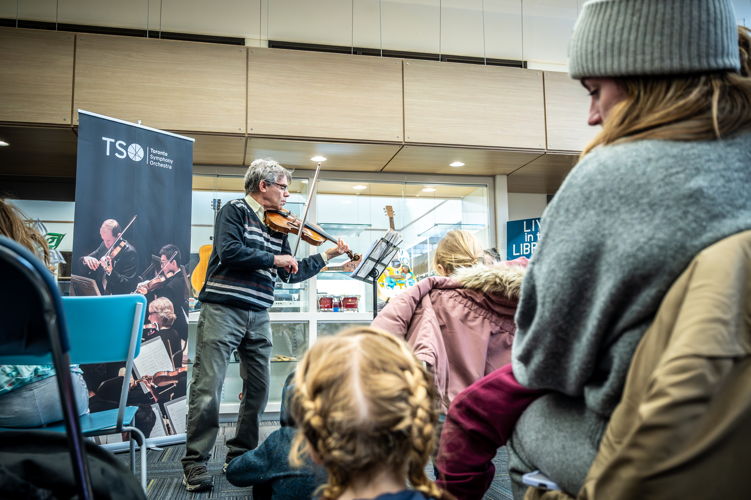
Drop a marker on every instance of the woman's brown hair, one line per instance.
(13, 225)
(682, 108)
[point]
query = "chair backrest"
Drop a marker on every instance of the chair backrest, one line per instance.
(31, 301)
(100, 330)
(33, 325)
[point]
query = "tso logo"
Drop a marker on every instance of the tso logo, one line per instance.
(133, 151)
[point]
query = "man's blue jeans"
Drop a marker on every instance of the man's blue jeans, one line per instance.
(38, 403)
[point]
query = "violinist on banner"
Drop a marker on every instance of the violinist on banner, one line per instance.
(169, 281)
(246, 260)
(113, 263)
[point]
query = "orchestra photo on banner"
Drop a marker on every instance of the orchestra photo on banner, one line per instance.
(159, 379)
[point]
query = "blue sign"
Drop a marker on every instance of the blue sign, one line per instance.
(522, 237)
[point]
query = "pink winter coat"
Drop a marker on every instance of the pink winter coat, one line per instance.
(462, 326)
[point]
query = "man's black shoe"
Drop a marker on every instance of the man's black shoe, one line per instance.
(197, 478)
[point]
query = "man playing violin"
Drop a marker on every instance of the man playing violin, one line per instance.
(245, 262)
(115, 267)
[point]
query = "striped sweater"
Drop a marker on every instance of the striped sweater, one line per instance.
(241, 270)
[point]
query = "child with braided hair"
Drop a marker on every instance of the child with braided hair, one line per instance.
(367, 412)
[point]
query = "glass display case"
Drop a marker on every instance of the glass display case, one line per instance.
(360, 212)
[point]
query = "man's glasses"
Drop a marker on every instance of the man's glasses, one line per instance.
(283, 187)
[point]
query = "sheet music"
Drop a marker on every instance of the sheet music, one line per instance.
(152, 358)
(177, 412)
(378, 253)
(158, 429)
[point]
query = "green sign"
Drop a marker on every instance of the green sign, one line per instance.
(54, 239)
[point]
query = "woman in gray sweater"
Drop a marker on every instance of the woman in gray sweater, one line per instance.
(668, 175)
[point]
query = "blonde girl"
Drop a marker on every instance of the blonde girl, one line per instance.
(456, 250)
(367, 413)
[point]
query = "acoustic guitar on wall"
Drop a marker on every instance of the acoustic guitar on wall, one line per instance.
(198, 277)
(389, 211)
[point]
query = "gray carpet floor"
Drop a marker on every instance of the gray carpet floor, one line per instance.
(165, 472)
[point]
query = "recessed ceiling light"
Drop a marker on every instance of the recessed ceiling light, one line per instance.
(359, 187)
(428, 190)
(456, 164)
(3, 143)
(318, 158)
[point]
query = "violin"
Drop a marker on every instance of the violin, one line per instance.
(149, 286)
(115, 249)
(282, 221)
(109, 257)
(156, 282)
(160, 379)
(150, 328)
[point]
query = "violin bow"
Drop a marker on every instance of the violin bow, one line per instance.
(119, 237)
(161, 269)
(311, 190)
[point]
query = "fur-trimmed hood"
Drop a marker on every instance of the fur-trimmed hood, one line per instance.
(504, 278)
(461, 325)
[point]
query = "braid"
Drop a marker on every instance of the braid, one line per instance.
(365, 407)
(422, 430)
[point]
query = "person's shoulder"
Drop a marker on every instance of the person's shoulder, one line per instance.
(627, 152)
(238, 204)
(402, 495)
(621, 164)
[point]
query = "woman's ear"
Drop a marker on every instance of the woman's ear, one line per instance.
(440, 270)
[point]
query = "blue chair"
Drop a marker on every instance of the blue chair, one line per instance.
(78, 330)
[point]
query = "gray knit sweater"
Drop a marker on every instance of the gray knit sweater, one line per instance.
(624, 225)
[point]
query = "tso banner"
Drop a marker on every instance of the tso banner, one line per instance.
(522, 237)
(132, 235)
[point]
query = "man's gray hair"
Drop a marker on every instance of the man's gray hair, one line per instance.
(264, 170)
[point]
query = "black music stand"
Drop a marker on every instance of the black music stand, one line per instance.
(374, 262)
(83, 286)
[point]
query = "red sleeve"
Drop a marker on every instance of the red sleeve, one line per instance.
(479, 421)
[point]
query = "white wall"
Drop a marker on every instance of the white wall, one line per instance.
(533, 30)
(57, 216)
(526, 206)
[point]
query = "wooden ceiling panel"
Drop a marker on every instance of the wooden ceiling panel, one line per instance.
(313, 94)
(218, 150)
(471, 104)
(340, 156)
(167, 84)
(36, 81)
(544, 175)
(436, 160)
(566, 109)
(38, 151)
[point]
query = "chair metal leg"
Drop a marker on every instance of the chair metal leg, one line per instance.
(132, 455)
(143, 445)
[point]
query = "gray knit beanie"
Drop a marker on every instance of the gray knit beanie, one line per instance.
(653, 37)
